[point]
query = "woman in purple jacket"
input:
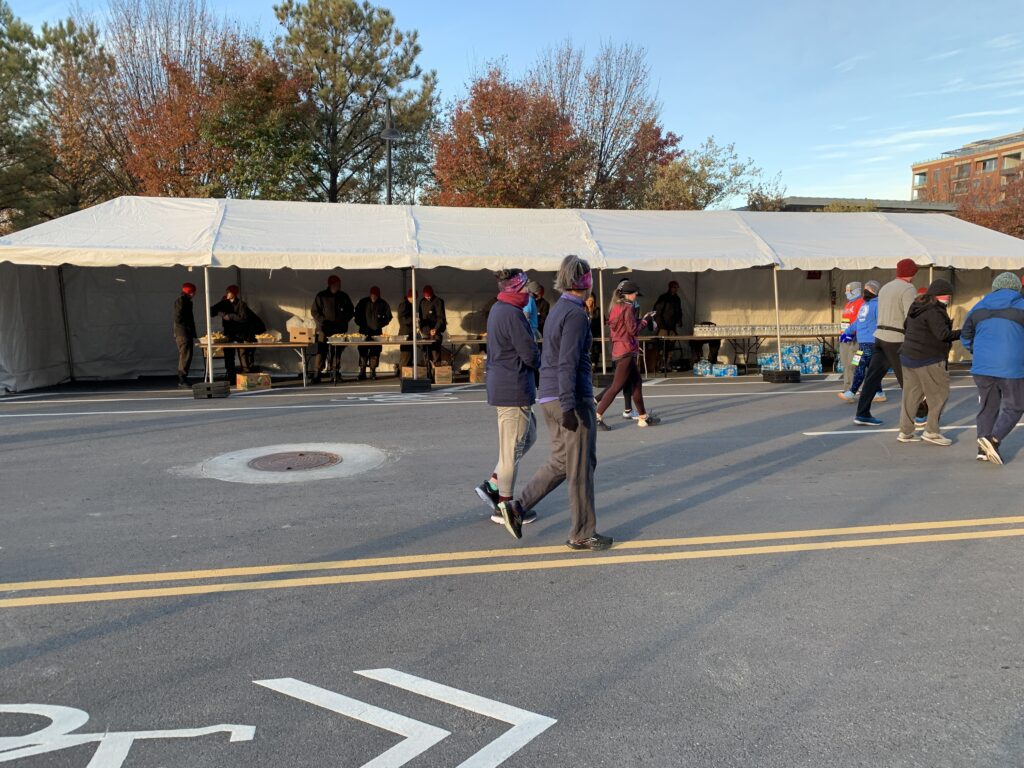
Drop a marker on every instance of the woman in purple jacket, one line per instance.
(624, 327)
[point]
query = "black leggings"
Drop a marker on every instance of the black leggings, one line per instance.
(627, 377)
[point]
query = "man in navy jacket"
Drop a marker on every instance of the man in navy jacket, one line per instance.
(512, 361)
(566, 398)
(994, 334)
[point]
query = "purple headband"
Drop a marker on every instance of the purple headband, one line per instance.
(584, 282)
(515, 283)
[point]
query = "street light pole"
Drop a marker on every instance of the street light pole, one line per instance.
(389, 135)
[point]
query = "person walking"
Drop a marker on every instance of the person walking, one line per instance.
(184, 326)
(332, 310)
(668, 314)
(861, 333)
(928, 335)
(894, 300)
(994, 334)
(566, 399)
(372, 316)
(624, 327)
(854, 300)
(513, 359)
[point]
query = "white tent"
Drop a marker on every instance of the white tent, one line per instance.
(133, 232)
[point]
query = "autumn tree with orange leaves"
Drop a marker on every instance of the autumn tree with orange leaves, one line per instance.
(506, 145)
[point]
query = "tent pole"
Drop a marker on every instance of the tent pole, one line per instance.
(600, 292)
(778, 316)
(931, 273)
(413, 306)
(67, 327)
(209, 331)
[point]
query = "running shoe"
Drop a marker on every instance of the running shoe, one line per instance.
(527, 517)
(602, 426)
(595, 543)
(936, 439)
(867, 421)
(631, 414)
(847, 396)
(648, 420)
(880, 398)
(991, 448)
(982, 456)
(511, 518)
(908, 438)
(488, 496)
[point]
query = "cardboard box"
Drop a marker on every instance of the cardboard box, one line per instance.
(443, 374)
(421, 372)
(477, 369)
(248, 381)
(305, 335)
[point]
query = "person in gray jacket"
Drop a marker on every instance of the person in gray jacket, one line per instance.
(566, 398)
(894, 301)
(513, 359)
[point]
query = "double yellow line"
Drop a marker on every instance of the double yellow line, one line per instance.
(503, 561)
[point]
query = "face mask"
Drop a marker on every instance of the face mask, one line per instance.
(636, 303)
(868, 295)
(943, 300)
(851, 295)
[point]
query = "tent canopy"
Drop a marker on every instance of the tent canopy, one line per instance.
(258, 234)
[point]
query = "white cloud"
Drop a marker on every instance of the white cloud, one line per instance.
(986, 113)
(847, 65)
(1002, 42)
(945, 55)
(910, 139)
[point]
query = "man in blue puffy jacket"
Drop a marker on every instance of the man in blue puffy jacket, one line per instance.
(994, 334)
(862, 330)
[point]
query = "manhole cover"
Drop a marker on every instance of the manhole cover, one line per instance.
(294, 461)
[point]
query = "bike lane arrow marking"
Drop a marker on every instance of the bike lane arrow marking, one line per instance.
(526, 725)
(419, 737)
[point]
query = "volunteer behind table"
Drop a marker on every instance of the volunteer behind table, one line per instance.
(184, 332)
(241, 325)
(372, 315)
(405, 331)
(332, 310)
(433, 321)
(668, 314)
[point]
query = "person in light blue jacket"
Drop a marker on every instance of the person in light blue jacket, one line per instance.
(994, 335)
(862, 330)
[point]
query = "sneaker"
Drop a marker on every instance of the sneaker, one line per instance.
(880, 398)
(631, 414)
(602, 426)
(648, 420)
(867, 421)
(991, 448)
(936, 439)
(982, 456)
(488, 496)
(920, 420)
(847, 396)
(595, 543)
(511, 518)
(908, 438)
(526, 517)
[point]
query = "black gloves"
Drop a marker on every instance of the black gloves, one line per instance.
(569, 420)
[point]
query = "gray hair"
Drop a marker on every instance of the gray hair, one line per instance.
(570, 271)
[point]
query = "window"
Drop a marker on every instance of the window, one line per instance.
(987, 165)
(1011, 161)
(960, 188)
(920, 178)
(962, 171)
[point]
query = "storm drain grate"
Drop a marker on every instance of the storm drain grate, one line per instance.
(294, 461)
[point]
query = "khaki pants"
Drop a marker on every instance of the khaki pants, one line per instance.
(573, 458)
(517, 432)
(846, 350)
(930, 383)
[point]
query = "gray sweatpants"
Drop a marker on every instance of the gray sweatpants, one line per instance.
(573, 458)
(931, 383)
(517, 432)
(846, 350)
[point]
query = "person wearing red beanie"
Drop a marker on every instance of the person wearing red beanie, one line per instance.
(372, 316)
(894, 302)
(184, 332)
(332, 309)
(240, 326)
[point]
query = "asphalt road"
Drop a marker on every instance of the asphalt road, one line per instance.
(775, 598)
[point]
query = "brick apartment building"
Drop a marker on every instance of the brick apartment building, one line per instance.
(981, 167)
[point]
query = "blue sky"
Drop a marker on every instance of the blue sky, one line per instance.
(839, 97)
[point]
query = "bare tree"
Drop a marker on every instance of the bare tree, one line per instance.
(613, 110)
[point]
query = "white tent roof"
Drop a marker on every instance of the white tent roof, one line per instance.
(256, 234)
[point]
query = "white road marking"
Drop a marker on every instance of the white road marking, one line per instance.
(526, 725)
(112, 747)
(877, 430)
(210, 412)
(419, 737)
